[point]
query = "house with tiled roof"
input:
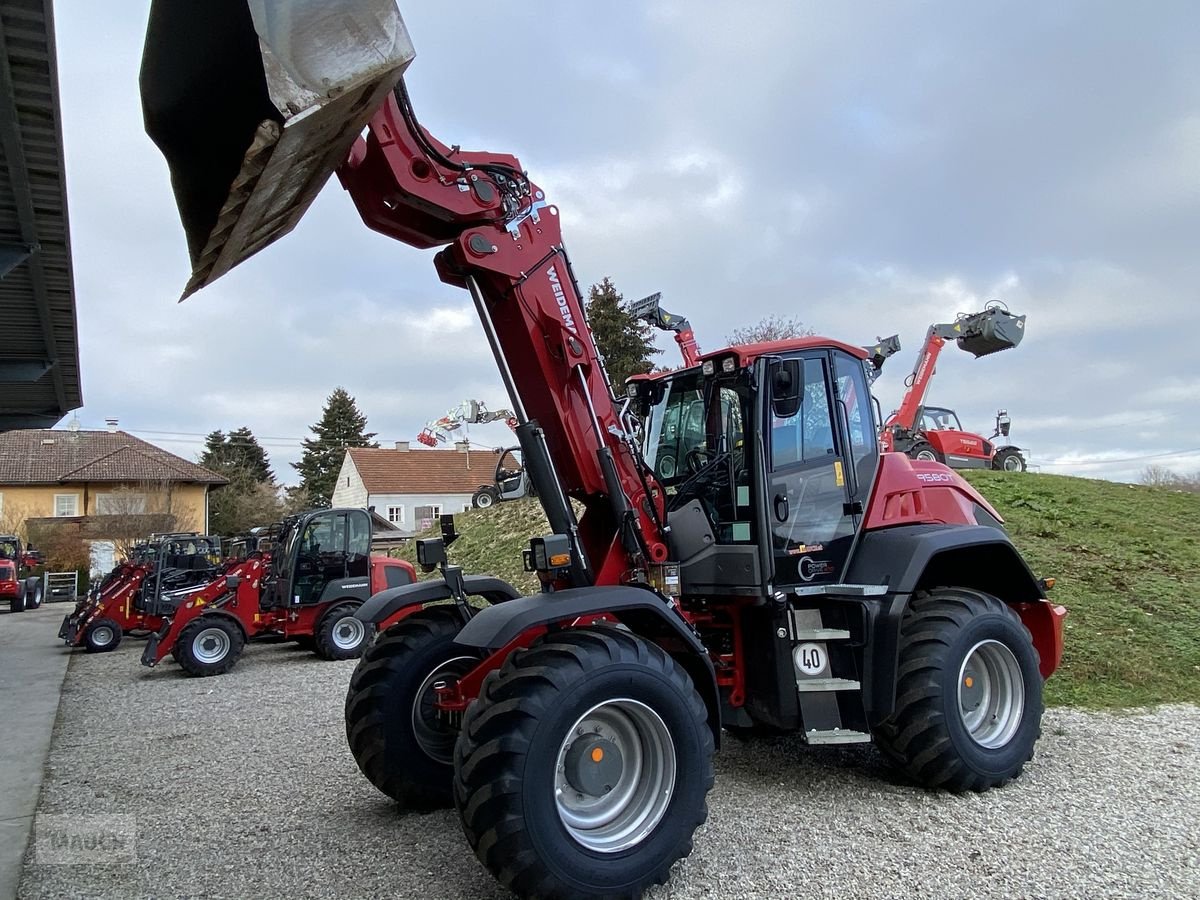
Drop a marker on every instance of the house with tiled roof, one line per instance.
(411, 488)
(98, 483)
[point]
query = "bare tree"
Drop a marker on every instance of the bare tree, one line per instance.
(1161, 476)
(130, 512)
(769, 328)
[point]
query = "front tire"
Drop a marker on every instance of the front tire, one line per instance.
(968, 694)
(484, 498)
(923, 450)
(340, 635)
(209, 645)
(396, 737)
(17, 602)
(583, 767)
(33, 593)
(102, 636)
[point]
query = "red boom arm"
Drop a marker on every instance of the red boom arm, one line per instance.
(503, 242)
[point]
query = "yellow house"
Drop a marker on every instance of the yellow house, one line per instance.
(103, 485)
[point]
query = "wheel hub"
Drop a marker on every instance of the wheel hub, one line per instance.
(593, 766)
(615, 775)
(348, 633)
(991, 694)
(210, 645)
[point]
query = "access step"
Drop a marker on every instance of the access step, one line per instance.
(822, 634)
(827, 684)
(837, 736)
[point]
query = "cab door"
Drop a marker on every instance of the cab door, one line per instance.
(821, 460)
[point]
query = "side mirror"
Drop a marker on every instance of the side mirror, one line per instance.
(787, 387)
(449, 535)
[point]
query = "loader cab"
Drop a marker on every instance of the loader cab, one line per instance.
(937, 418)
(323, 556)
(768, 454)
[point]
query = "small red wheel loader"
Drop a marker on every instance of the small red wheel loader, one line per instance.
(306, 588)
(18, 584)
(785, 575)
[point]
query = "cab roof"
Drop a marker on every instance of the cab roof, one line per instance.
(748, 353)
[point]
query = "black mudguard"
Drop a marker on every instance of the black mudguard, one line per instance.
(390, 601)
(913, 557)
(644, 612)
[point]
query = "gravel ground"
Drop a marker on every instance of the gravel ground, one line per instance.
(242, 785)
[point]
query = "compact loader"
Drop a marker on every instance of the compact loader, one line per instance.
(784, 575)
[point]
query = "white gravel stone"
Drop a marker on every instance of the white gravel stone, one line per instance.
(242, 786)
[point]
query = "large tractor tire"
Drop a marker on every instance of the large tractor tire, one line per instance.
(393, 730)
(102, 636)
(583, 767)
(1008, 459)
(340, 635)
(17, 602)
(923, 450)
(968, 694)
(485, 497)
(33, 592)
(209, 645)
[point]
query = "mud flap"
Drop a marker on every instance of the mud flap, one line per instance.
(255, 103)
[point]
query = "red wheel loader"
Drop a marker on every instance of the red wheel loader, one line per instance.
(306, 588)
(18, 584)
(138, 594)
(785, 575)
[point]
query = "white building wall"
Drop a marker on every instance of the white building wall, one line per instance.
(449, 503)
(350, 490)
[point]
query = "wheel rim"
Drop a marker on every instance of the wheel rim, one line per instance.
(484, 501)
(348, 633)
(927, 455)
(434, 736)
(606, 804)
(211, 645)
(991, 694)
(1012, 463)
(102, 636)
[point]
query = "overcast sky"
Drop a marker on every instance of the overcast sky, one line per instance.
(869, 168)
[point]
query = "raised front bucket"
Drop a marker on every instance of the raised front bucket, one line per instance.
(991, 331)
(255, 103)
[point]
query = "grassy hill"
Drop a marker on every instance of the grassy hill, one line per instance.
(1126, 558)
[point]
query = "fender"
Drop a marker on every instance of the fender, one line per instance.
(981, 557)
(644, 612)
(391, 600)
(213, 612)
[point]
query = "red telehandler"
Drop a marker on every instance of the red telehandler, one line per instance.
(306, 588)
(934, 433)
(787, 576)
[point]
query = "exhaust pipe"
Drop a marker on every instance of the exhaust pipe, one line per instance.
(254, 104)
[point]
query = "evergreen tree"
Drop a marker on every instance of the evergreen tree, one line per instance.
(240, 452)
(624, 342)
(251, 496)
(341, 426)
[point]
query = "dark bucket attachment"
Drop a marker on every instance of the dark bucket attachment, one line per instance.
(255, 103)
(990, 331)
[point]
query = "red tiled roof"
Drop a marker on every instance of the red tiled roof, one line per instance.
(423, 471)
(57, 456)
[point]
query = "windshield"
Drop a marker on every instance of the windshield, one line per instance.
(686, 428)
(8, 549)
(935, 418)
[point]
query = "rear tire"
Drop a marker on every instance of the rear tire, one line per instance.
(485, 497)
(209, 645)
(340, 635)
(393, 733)
(968, 693)
(538, 808)
(33, 592)
(1008, 459)
(102, 636)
